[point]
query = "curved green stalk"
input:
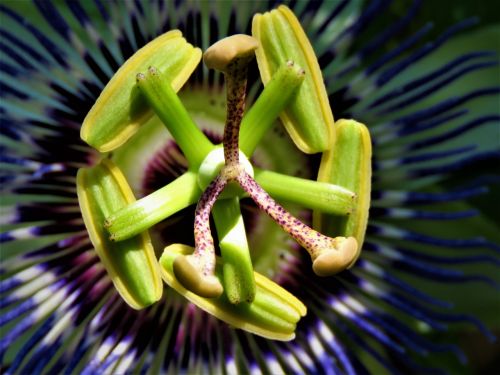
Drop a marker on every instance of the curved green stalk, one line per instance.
(169, 108)
(268, 106)
(237, 269)
(321, 196)
(146, 212)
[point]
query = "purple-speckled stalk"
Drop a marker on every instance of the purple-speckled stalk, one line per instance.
(204, 244)
(236, 84)
(311, 240)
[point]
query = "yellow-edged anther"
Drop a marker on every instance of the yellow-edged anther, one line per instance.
(120, 109)
(308, 117)
(348, 164)
(273, 314)
(131, 264)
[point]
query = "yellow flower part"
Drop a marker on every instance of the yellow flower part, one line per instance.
(131, 264)
(273, 314)
(308, 118)
(120, 109)
(348, 164)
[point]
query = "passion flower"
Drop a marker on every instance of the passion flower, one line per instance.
(430, 104)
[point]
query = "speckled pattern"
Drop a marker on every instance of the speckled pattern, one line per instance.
(314, 242)
(204, 244)
(236, 84)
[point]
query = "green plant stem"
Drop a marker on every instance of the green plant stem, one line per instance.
(146, 212)
(322, 196)
(270, 103)
(169, 108)
(238, 276)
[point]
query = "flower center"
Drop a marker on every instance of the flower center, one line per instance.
(152, 159)
(212, 166)
(116, 220)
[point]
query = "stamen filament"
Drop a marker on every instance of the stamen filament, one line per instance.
(238, 277)
(321, 196)
(169, 108)
(153, 208)
(277, 94)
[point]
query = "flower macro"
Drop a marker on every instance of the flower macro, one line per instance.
(391, 310)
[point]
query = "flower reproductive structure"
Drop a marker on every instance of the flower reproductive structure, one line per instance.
(226, 286)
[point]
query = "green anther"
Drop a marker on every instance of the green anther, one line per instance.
(277, 94)
(120, 109)
(153, 208)
(274, 314)
(131, 264)
(308, 118)
(168, 107)
(348, 164)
